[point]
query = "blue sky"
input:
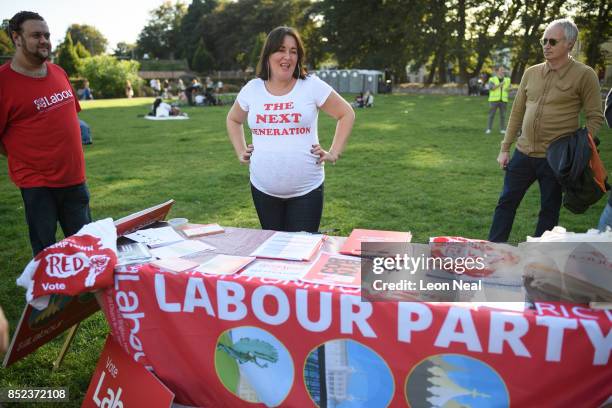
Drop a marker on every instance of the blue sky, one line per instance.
(117, 20)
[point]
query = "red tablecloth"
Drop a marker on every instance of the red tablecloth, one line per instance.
(220, 341)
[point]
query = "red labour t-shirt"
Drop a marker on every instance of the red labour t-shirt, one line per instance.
(39, 129)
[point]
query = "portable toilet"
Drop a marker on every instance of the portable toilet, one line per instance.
(334, 79)
(355, 81)
(344, 82)
(324, 75)
(370, 80)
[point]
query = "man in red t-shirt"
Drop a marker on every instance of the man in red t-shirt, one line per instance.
(40, 134)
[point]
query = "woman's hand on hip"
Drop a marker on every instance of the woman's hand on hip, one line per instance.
(245, 156)
(324, 155)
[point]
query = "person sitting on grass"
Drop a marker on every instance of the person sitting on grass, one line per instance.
(368, 99)
(162, 109)
(358, 101)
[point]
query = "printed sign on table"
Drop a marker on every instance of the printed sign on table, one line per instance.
(119, 382)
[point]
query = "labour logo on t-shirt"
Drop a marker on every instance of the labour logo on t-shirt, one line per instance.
(53, 100)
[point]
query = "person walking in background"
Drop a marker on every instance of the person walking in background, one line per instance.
(605, 220)
(129, 91)
(498, 99)
(547, 106)
(286, 160)
(40, 134)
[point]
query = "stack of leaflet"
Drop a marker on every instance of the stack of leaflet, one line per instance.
(352, 246)
(293, 246)
(336, 270)
(135, 253)
(225, 264)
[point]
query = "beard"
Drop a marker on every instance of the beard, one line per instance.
(34, 54)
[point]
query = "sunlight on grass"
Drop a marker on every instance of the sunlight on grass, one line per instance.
(424, 159)
(379, 126)
(116, 103)
(119, 187)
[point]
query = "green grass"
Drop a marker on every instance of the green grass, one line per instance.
(418, 163)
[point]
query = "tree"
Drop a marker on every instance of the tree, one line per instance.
(202, 60)
(260, 40)
(376, 34)
(107, 76)
(124, 50)
(533, 17)
(593, 21)
(6, 45)
(233, 48)
(160, 37)
(67, 57)
(81, 51)
(190, 31)
(89, 36)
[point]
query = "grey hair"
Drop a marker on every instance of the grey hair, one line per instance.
(569, 28)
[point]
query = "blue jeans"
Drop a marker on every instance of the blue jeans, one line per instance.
(294, 214)
(606, 218)
(45, 206)
(521, 172)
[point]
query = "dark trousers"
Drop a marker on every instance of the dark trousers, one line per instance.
(493, 106)
(45, 206)
(521, 172)
(289, 214)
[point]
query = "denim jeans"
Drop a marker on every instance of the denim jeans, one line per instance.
(45, 206)
(294, 214)
(521, 172)
(606, 218)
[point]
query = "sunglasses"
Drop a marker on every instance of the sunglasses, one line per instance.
(550, 41)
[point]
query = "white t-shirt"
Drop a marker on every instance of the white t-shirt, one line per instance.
(283, 129)
(163, 110)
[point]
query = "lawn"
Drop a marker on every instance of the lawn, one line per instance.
(413, 163)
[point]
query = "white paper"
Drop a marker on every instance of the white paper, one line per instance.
(156, 237)
(225, 264)
(181, 248)
(289, 245)
(276, 270)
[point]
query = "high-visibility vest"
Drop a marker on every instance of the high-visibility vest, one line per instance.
(501, 93)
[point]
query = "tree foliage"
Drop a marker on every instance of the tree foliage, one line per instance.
(191, 27)
(231, 32)
(160, 38)
(124, 50)
(202, 60)
(6, 45)
(81, 51)
(596, 28)
(67, 57)
(107, 75)
(89, 36)
(460, 38)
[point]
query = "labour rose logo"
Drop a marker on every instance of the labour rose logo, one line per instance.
(74, 265)
(40, 103)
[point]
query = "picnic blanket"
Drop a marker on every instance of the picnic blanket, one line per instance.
(166, 117)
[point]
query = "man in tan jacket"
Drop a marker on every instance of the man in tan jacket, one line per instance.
(547, 106)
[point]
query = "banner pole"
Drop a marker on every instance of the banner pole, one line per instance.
(64, 350)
